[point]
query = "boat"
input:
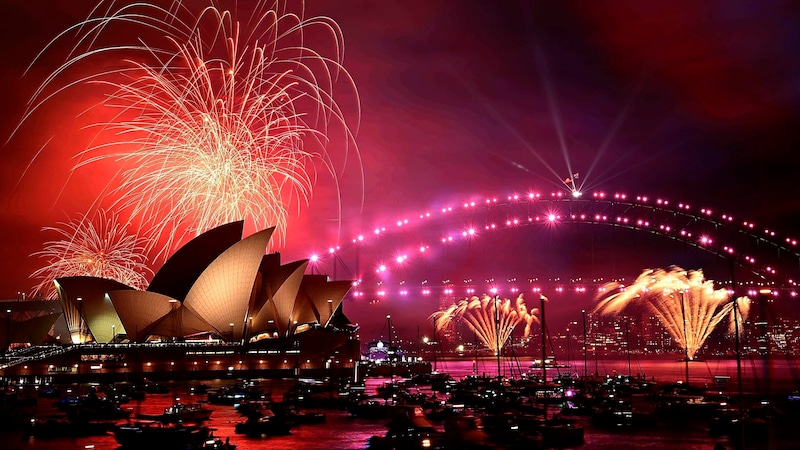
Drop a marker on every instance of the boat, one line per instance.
(181, 412)
(187, 412)
(549, 363)
(684, 402)
(253, 408)
(291, 414)
(370, 408)
(409, 431)
(215, 443)
(266, 424)
(159, 435)
(61, 425)
(91, 407)
(232, 395)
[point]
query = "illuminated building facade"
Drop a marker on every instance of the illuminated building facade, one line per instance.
(219, 303)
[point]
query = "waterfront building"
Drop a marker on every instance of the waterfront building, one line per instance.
(219, 304)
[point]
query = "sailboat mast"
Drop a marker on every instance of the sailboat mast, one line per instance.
(542, 298)
(389, 350)
(497, 335)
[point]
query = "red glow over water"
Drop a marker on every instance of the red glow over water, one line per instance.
(341, 431)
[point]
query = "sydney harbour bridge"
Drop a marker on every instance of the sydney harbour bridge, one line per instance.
(580, 240)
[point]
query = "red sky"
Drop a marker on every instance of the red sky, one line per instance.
(694, 101)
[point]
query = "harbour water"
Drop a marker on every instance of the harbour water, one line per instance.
(342, 431)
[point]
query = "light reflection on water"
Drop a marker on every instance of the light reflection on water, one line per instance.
(341, 431)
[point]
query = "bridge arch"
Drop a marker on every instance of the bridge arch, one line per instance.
(762, 256)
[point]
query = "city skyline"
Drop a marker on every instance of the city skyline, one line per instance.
(695, 103)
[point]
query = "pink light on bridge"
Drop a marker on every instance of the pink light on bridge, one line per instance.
(705, 240)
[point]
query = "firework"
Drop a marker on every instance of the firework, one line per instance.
(216, 119)
(492, 320)
(684, 302)
(99, 248)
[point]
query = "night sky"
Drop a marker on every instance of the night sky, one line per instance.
(695, 102)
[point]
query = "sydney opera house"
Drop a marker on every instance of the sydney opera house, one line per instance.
(218, 307)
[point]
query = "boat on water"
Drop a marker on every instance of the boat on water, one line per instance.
(181, 413)
(61, 425)
(215, 443)
(232, 395)
(92, 406)
(160, 435)
(409, 431)
(549, 363)
(264, 424)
